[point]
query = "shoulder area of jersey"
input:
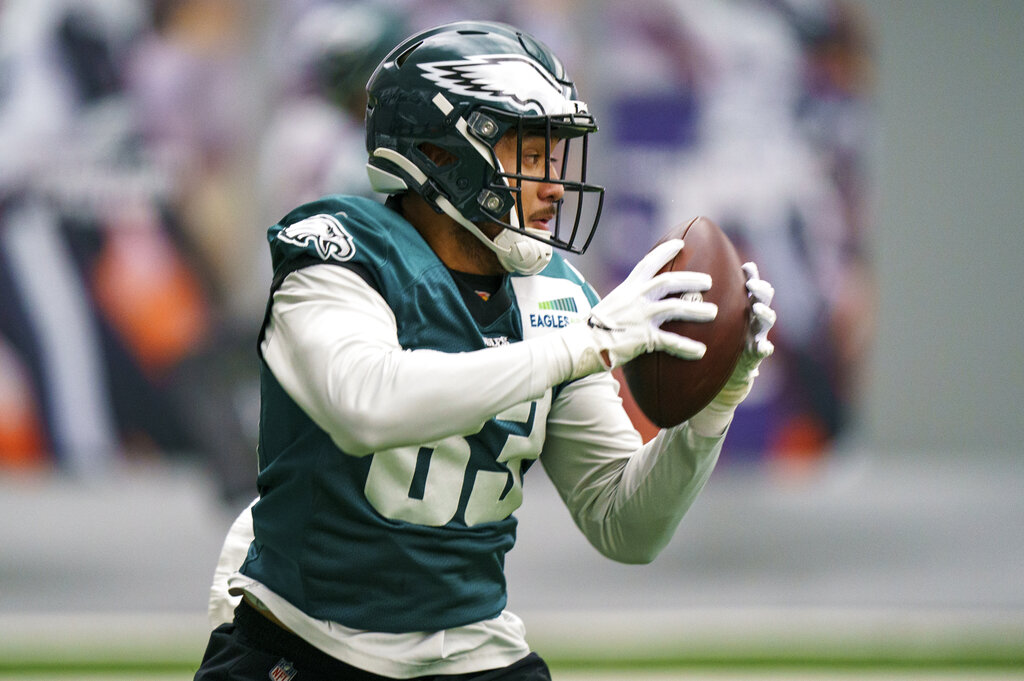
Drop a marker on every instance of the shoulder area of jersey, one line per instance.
(331, 229)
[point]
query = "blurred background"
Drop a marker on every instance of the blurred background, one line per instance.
(867, 155)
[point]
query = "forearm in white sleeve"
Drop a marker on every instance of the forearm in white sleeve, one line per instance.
(332, 344)
(627, 497)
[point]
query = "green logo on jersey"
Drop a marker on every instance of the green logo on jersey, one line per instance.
(562, 304)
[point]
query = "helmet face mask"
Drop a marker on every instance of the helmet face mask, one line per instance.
(566, 149)
(462, 88)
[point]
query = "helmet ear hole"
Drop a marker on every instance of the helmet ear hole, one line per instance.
(436, 155)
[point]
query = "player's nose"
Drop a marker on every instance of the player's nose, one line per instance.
(550, 191)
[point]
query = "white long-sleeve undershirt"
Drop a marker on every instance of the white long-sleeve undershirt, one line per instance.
(332, 343)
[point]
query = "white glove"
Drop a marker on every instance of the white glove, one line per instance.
(626, 323)
(716, 417)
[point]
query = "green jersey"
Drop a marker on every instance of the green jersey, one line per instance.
(412, 538)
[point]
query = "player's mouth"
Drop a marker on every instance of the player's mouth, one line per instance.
(541, 219)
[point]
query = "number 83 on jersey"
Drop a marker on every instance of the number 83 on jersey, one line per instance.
(423, 484)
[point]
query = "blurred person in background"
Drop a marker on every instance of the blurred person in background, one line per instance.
(110, 313)
(70, 173)
(326, 53)
(193, 85)
(756, 114)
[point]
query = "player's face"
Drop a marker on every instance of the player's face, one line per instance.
(539, 199)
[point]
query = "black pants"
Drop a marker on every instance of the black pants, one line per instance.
(252, 648)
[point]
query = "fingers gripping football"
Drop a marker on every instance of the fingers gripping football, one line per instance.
(762, 318)
(626, 323)
(716, 416)
(757, 346)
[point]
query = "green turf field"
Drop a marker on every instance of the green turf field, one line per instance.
(940, 647)
(568, 673)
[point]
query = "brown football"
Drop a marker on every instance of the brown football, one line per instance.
(670, 390)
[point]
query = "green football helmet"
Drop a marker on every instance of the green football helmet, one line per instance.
(461, 88)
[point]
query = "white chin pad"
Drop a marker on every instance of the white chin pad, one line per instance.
(516, 252)
(521, 254)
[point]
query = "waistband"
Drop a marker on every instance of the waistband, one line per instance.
(264, 635)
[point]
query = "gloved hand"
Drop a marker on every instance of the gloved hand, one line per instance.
(762, 320)
(713, 419)
(625, 323)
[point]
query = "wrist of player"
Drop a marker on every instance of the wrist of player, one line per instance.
(714, 419)
(593, 346)
(585, 352)
(717, 415)
(571, 353)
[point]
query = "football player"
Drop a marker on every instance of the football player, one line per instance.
(419, 355)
